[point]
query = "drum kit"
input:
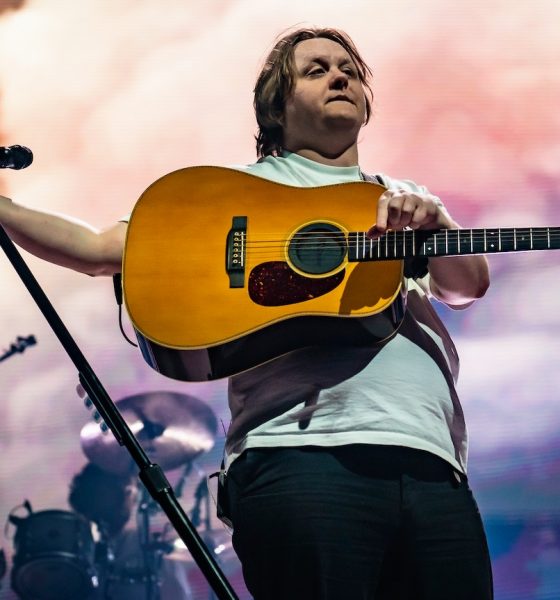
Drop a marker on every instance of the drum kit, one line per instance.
(56, 554)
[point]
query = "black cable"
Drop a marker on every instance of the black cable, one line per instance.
(117, 287)
(122, 329)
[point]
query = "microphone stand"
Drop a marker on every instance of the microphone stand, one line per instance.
(151, 475)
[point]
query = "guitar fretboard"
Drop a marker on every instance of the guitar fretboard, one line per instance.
(450, 242)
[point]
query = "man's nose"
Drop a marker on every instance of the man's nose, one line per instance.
(339, 81)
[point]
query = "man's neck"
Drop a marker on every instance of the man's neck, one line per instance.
(332, 146)
(348, 158)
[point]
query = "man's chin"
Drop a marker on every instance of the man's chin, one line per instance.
(344, 120)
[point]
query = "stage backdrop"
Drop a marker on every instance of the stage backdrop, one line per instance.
(110, 95)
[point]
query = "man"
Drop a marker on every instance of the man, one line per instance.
(354, 486)
(109, 501)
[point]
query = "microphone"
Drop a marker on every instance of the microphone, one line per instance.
(15, 157)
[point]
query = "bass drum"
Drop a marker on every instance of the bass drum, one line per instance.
(54, 556)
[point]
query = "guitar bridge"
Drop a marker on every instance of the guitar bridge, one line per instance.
(235, 252)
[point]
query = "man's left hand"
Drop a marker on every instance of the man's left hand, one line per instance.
(397, 209)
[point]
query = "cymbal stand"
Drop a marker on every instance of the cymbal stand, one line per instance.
(104, 559)
(181, 482)
(201, 494)
(150, 554)
(151, 475)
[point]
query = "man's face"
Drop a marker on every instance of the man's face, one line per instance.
(328, 96)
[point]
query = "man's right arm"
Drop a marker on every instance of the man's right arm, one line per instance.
(63, 240)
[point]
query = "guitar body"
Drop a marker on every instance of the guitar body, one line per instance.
(224, 271)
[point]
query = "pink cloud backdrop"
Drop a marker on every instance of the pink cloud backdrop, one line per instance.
(112, 95)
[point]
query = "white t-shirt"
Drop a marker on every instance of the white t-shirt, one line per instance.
(400, 393)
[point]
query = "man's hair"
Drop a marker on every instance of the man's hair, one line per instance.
(101, 497)
(276, 82)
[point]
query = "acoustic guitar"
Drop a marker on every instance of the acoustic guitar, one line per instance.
(224, 270)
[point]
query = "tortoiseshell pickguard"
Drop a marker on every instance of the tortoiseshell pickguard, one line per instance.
(276, 284)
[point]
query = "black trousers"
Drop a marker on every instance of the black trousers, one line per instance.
(356, 522)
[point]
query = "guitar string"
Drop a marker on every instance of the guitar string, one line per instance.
(424, 234)
(506, 244)
(407, 249)
(401, 243)
(400, 240)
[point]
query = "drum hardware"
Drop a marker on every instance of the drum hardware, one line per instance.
(104, 551)
(174, 429)
(145, 570)
(53, 556)
(151, 474)
(152, 553)
(202, 494)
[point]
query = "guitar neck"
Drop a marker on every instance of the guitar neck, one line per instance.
(396, 245)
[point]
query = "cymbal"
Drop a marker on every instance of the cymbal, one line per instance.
(172, 428)
(217, 540)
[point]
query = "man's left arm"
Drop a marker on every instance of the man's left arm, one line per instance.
(455, 280)
(458, 280)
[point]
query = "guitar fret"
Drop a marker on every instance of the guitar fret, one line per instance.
(361, 243)
(396, 245)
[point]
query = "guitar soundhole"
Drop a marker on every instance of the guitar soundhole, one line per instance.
(276, 284)
(317, 248)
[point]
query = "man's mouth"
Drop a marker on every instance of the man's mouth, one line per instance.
(340, 98)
